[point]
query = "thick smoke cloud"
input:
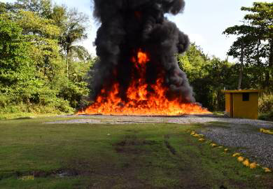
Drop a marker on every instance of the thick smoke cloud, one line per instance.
(128, 25)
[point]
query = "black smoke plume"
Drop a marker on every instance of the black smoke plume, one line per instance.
(129, 25)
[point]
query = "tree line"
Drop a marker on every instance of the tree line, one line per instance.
(44, 70)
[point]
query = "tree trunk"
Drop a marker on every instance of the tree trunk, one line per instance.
(260, 66)
(67, 67)
(67, 62)
(268, 76)
(241, 69)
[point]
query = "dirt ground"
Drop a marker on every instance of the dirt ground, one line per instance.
(187, 119)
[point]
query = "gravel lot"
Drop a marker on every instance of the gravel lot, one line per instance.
(239, 133)
(247, 138)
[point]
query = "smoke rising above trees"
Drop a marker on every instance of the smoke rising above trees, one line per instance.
(127, 26)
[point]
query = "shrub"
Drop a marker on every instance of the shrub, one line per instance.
(3, 101)
(266, 107)
(266, 103)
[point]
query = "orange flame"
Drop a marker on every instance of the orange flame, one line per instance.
(140, 100)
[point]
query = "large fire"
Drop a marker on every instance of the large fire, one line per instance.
(141, 98)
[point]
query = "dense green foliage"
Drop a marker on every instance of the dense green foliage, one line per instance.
(208, 77)
(41, 68)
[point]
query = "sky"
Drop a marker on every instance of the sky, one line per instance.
(203, 21)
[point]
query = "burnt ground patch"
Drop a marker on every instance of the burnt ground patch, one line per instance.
(133, 145)
(168, 145)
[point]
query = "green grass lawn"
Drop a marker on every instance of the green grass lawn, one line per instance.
(38, 155)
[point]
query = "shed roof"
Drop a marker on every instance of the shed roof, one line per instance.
(241, 91)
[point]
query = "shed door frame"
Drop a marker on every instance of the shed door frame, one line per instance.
(231, 105)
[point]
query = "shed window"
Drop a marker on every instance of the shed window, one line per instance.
(245, 97)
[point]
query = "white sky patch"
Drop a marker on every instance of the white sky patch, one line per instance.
(198, 39)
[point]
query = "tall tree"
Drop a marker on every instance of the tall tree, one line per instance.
(43, 34)
(73, 31)
(72, 25)
(254, 44)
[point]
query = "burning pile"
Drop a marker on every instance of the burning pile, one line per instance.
(137, 72)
